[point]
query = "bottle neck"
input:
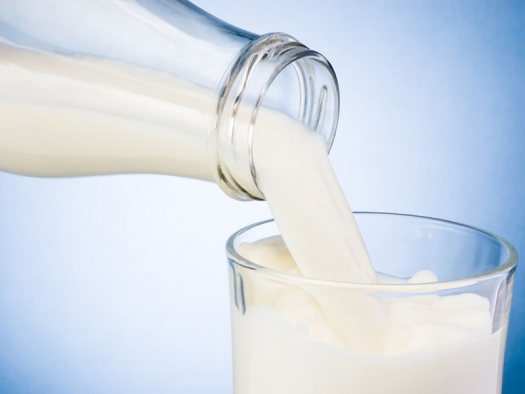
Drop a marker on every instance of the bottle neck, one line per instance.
(278, 72)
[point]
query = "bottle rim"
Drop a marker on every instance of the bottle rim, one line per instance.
(245, 84)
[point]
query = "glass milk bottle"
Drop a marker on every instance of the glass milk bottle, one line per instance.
(148, 86)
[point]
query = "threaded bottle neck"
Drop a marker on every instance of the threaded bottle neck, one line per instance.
(303, 85)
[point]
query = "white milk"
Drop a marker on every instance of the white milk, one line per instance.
(271, 356)
(68, 116)
(314, 340)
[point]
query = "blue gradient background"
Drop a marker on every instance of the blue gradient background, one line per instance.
(118, 284)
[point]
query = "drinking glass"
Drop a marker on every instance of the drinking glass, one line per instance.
(293, 334)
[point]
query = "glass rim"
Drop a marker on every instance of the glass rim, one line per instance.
(508, 266)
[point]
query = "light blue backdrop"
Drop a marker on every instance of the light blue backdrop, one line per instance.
(118, 284)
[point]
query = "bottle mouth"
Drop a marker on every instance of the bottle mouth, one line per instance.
(278, 72)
